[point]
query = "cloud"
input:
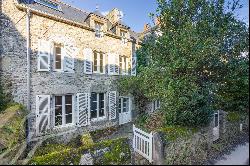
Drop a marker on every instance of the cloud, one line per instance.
(105, 13)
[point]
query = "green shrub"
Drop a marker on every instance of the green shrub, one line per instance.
(233, 116)
(86, 140)
(66, 156)
(173, 132)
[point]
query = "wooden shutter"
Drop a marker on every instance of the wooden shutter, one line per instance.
(88, 60)
(83, 107)
(112, 105)
(133, 65)
(44, 52)
(69, 56)
(42, 113)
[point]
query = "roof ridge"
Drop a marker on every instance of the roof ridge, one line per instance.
(87, 12)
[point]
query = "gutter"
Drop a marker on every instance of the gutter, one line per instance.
(28, 57)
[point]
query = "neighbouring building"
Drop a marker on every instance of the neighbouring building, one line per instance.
(63, 64)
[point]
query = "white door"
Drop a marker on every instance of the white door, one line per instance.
(124, 110)
(216, 126)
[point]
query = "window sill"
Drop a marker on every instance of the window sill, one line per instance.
(64, 126)
(98, 119)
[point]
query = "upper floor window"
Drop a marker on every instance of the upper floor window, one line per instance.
(49, 4)
(123, 35)
(58, 56)
(99, 65)
(123, 65)
(98, 29)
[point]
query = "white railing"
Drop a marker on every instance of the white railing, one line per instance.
(143, 143)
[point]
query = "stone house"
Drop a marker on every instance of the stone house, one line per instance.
(63, 64)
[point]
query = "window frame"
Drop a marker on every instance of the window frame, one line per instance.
(64, 124)
(98, 32)
(156, 105)
(62, 57)
(120, 109)
(123, 37)
(125, 63)
(98, 71)
(98, 118)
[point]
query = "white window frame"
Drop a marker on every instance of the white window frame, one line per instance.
(123, 36)
(63, 111)
(98, 32)
(62, 58)
(97, 108)
(129, 107)
(123, 70)
(98, 62)
(156, 105)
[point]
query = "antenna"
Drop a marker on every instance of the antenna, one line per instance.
(97, 7)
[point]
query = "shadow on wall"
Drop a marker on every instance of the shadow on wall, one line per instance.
(14, 64)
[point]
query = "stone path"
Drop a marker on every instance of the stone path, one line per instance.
(238, 156)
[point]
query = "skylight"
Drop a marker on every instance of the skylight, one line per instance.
(49, 4)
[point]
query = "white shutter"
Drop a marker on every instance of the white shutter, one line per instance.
(116, 59)
(111, 64)
(88, 60)
(112, 105)
(42, 113)
(133, 65)
(69, 56)
(44, 52)
(83, 107)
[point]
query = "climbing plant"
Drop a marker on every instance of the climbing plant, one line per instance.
(187, 65)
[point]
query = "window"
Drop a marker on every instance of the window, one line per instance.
(123, 64)
(123, 35)
(98, 29)
(97, 106)
(216, 119)
(63, 110)
(156, 105)
(123, 104)
(99, 65)
(58, 57)
(49, 4)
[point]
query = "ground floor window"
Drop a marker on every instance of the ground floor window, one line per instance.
(63, 110)
(97, 110)
(123, 104)
(156, 105)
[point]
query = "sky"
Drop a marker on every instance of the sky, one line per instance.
(136, 12)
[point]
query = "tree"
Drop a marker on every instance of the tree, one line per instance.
(185, 66)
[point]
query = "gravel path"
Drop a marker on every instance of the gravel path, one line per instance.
(238, 156)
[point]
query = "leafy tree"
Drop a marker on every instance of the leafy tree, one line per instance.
(186, 65)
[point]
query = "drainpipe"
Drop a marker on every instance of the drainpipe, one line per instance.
(28, 58)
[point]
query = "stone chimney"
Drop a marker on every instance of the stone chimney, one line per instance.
(146, 27)
(114, 15)
(157, 21)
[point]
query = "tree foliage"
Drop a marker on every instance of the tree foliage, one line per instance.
(187, 66)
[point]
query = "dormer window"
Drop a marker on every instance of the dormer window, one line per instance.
(49, 4)
(98, 30)
(123, 35)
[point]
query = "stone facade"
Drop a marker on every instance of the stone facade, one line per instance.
(14, 64)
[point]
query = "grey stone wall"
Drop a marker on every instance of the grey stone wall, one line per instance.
(14, 66)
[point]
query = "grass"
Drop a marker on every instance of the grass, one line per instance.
(12, 129)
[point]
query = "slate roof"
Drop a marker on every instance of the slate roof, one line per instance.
(68, 12)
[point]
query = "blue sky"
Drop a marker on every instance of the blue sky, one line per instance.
(136, 11)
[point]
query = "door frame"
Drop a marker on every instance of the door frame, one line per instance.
(129, 109)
